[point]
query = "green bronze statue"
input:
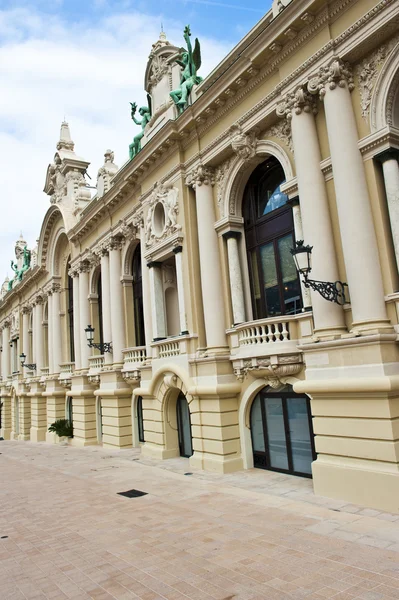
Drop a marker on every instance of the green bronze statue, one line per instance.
(145, 112)
(19, 273)
(190, 62)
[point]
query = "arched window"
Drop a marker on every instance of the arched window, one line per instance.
(140, 421)
(269, 236)
(138, 298)
(184, 426)
(70, 319)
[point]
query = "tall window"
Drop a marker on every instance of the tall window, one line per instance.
(140, 421)
(138, 298)
(269, 235)
(100, 309)
(70, 319)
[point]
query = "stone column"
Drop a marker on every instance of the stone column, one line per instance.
(116, 301)
(358, 236)
(84, 313)
(178, 251)
(25, 334)
(146, 297)
(38, 334)
(56, 329)
(5, 355)
(202, 179)
(317, 228)
(38, 408)
(106, 306)
(157, 301)
(390, 170)
(50, 364)
(76, 318)
(235, 275)
(5, 430)
(298, 228)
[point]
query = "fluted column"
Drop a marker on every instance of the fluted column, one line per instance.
(390, 169)
(178, 251)
(146, 297)
(56, 329)
(157, 300)
(84, 311)
(202, 180)
(358, 236)
(317, 228)
(299, 235)
(116, 301)
(106, 306)
(235, 276)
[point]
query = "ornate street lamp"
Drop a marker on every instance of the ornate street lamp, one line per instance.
(103, 347)
(331, 291)
(22, 358)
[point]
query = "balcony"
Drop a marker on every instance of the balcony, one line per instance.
(133, 360)
(66, 372)
(174, 346)
(96, 363)
(265, 344)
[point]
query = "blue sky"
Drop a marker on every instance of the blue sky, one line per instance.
(85, 60)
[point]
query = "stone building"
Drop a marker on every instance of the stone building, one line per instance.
(207, 343)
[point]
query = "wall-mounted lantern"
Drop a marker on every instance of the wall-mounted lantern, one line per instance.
(103, 347)
(331, 291)
(22, 358)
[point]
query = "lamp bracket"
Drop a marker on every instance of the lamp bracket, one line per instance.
(331, 291)
(103, 347)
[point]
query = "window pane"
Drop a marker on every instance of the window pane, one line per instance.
(256, 286)
(270, 279)
(298, 423)
(276, 433)
(276, 198)
(291, 290)
(258, 438)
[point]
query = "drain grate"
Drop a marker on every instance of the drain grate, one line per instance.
(188, 473)
(4, 537)
(132, 494)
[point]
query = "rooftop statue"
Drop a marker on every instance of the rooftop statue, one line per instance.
(19, 272)
(190, 62)
(146, 113)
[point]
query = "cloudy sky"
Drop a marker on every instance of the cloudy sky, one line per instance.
(85, 60)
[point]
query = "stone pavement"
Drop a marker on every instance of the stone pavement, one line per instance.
(254, 535)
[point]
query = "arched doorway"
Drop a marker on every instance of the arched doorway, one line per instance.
(282, 432)
(184, 426)
(269, 237)
(70, 318)
(69, 409)
(140, 420)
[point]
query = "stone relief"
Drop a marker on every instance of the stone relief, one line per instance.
(220, 182)
(161, 220)
(105, 173)
(159, 68)
(281, 131)
(243, 144)
(368, 70)
(274, 372)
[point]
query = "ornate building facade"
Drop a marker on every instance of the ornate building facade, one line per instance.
(206, 342)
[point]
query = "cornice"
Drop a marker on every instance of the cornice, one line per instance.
(379, 141)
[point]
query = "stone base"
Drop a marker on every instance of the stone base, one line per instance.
(38, 434)
(216, 464)
(13, 435)
(5, 434)
(373, 488)
(52, 438)
(157, 452)
(80, 443)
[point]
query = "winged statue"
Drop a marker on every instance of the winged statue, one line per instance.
(190, 62)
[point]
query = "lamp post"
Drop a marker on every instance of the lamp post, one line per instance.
(22, 358)
(102, 346)
(331, 291)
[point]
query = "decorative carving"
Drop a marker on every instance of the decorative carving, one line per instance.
(367, 72)
(159, 68)
(201, 175)
(281, 131)
(243, 144)
(132, 376)
(160, 225)
(274, 369)
(338, 73)
(220, 181)
(298, 101)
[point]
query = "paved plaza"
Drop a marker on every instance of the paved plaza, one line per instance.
(254, 535)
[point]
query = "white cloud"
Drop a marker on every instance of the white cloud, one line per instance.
(89, 73)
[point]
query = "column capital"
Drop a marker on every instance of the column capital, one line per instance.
(337, 73)
(84, 266)
(231, 234)
(200, 175)
(6, 324)
(115, 242)
(389, 154)
(299, 101)
(26, 309)
(73, 272)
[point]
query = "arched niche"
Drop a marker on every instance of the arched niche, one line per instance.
(384, 107)
(53, 222)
